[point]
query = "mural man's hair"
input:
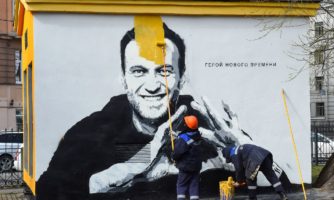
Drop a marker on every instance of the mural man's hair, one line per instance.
(169, 34)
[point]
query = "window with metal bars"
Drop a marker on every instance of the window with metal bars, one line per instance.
(318, 29)
(320, 109)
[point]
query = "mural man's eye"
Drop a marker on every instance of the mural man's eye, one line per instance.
(168, 72)
(138, 72)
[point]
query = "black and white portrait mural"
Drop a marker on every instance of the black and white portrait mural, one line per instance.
(105, 126)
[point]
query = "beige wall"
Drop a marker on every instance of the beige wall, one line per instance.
(7, 59)
(9, 90)
(7, 111)
(6, 17)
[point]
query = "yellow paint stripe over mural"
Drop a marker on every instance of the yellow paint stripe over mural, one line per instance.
(27, 58)
(148, 31)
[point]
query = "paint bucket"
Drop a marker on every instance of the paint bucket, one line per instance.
(226, 189)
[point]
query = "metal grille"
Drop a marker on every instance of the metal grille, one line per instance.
(11, 146)
(322, 141)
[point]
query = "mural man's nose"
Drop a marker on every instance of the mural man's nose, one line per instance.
(153, 88)
(152, 85)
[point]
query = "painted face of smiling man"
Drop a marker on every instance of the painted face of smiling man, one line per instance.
(145, 82)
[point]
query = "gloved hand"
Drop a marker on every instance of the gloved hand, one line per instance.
(239, 184)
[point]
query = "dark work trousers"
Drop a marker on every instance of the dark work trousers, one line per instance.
(267, 169)
(187, 181)
(252, 187)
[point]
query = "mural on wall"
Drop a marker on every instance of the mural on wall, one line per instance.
(122, 151)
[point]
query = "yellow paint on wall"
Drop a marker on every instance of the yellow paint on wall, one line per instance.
(16, 8)
(30, 181)
(223, 9)
(27, 53)
(27, 58)
(149, 31)
(20, 19)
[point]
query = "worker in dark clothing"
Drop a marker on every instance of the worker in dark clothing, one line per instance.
(188, 159)
(248, 160)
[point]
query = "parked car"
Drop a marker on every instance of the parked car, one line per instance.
(11, 144)
(18, 160)
(324, 144)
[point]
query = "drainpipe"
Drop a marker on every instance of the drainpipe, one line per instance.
(327, 98)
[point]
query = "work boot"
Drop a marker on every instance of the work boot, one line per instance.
(283, 196)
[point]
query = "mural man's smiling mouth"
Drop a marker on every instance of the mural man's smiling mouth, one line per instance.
(153, 97)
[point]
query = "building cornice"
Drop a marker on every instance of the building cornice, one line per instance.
(227, 8)
(167, 7)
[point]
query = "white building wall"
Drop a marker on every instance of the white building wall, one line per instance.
(77, 70)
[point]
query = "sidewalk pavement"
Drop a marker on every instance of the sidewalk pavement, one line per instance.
(312, 194)
(13, 194)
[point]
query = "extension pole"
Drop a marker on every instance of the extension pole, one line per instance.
(163, 48)
(293, 142)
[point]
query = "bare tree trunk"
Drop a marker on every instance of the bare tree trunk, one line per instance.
(326, 176)
(329, 185)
